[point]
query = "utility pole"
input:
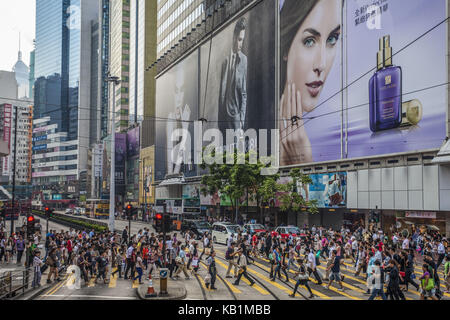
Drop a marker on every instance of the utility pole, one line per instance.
(112, 187)
(14, 172)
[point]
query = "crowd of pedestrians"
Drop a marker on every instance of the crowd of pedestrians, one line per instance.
(388, 264)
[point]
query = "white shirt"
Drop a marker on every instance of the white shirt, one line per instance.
(311, 260)
(129, 252)
(441, 248)
(405, 244)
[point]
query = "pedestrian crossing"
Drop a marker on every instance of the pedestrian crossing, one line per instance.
(355, 288)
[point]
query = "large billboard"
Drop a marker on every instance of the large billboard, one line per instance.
(379, 88)
(238, 74)
(176, 108)
(120, 154)
(133, 142)
(328, 189)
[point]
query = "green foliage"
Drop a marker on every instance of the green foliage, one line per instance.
(291, 199)
(82, 224)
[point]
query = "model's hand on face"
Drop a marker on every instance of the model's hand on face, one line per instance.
(295, 146)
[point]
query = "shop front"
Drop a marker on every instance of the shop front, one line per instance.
(407, 222)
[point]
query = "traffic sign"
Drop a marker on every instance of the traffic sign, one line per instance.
(163, 273)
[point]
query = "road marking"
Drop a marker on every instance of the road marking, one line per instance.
(203, 283)
(89, 296)
(232, 287)
(315, 292)
(255, 286)
(58, 286)
(92, 282)
(113, 279)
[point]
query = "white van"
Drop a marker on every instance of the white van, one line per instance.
(221, 231)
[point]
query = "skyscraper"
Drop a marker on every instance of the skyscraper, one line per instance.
(62, 95)
(120, 59)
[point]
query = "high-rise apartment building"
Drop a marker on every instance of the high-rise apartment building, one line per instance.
(120, 59)
(62, 95)
(22, 143)
(175, 19)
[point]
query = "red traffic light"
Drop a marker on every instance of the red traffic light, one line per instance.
(30, 219)
(47, 208)
(129, 207)
(158, 216)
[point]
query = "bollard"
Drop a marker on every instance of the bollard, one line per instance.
(163, 281)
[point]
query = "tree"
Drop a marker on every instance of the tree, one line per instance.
(291, 198)
(239, 179)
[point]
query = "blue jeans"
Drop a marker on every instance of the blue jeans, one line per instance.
(139, 271)
(376, 292)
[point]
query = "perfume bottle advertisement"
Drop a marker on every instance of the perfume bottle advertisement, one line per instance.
(400, 105)
(365, 78)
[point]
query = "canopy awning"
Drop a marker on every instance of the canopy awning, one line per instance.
(443, 155)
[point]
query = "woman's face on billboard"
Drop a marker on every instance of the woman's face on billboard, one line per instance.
(313, 50)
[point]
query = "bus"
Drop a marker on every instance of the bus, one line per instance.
(97, 208)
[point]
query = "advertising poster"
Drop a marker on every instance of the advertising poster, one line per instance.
(238, 75)
(133, 142)
(399, 106)
(191, 191)
(329, 189)
(380, 88)
(176, 108)
(121, 145)
(310, 77)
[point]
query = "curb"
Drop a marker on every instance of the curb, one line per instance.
(169, 297)
(35, 293)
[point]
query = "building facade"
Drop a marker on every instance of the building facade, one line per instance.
(120, 59)
(62, 96)
(24, 140)
(369, 141)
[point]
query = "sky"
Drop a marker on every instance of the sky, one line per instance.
(16, 16)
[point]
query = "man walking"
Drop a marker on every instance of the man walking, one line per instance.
(242, 263)
(130, 262)
(124, 235)
(335, 270)
(311, 267)
(20, 247)
(229, 256)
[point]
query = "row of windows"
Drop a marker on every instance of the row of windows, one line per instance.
(181, 27)
(174, 16)
(165, 7)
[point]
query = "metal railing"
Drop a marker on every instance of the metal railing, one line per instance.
(15, 282)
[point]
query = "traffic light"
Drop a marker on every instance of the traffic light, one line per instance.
(167, 222)
(158, 222)
(30, 225)
(48, 212)
(129, 211)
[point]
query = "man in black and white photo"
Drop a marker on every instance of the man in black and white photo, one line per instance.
(233, 83)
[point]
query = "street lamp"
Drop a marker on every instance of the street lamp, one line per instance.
(112, 188)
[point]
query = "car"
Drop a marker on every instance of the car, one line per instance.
(69, 211)
(221, 231)
(284, 231)
(254, 228)
(77, 212)
(198, 227)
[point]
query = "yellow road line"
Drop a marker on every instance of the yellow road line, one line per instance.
(113, 279)
(58, 286)
(315, 292)
(232, 287)
(255, 286)
(92, 282)
(273, 283)
(203, 283)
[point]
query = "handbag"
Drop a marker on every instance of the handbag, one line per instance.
(178, 260)
(208, 278)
